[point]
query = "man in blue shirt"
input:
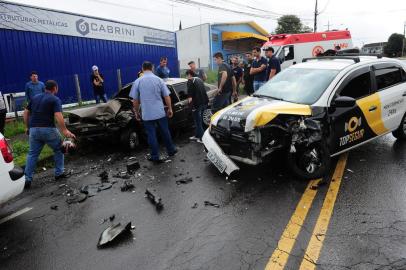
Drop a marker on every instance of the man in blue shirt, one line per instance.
(274, 65)
(33, 87)
(39, 119)
(148, 92)
(162, 70)
(258, 68)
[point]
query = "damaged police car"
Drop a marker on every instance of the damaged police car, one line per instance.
(312, 111)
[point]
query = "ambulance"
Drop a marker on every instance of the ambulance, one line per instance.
(292, 48)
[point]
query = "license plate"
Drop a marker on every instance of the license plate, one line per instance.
(214, 158)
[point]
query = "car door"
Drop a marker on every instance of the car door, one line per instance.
(182, 108)
(351, 125)
(390, 81)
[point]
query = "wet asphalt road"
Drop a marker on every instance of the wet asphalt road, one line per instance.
(367, 229)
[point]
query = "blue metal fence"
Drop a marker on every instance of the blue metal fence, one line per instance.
(60, 57)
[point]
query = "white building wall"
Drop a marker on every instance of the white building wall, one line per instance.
(193, 43)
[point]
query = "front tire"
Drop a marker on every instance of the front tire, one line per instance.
(310, 162)
(207, 114)
(400, 133)
(129, 139)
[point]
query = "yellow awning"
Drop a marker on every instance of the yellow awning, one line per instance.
(241, 35)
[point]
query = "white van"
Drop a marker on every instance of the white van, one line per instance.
(12, 178)
(292, 48)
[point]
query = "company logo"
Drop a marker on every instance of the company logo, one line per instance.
(352, 125)
(353, 134)
(317, 50)
(82, 27)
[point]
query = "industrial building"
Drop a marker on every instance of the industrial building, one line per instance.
(199, 43)
(59, 45)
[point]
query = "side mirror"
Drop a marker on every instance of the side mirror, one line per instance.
(344, 102)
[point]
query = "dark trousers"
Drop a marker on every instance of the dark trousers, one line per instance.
(101, 96)
(198, 118)
(150, 127)
(221, 101)
(2, 120)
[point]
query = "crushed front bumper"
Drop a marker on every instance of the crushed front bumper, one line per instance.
(214, 150)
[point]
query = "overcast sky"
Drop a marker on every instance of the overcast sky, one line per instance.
(368, 21)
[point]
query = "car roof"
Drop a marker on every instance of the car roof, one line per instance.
(340, 64)
(172, 81)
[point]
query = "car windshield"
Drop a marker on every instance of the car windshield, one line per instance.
(298, 85)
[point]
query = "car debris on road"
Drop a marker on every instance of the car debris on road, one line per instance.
(155, 199)
(113, 233)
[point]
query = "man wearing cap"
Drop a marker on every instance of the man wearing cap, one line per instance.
(39, 118)
(33, 87)
(98, 85)
(274, 65)
(258, 68)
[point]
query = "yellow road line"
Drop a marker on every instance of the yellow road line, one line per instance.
(319, 233)
(287, 241)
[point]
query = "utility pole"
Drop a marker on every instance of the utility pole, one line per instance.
(315, 17)
(404, 37)
(328, 25)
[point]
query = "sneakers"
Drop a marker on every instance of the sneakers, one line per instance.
(155, 161)
(65, 175)
(27, 185)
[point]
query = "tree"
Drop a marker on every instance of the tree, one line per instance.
(291, 24)
(394, 46)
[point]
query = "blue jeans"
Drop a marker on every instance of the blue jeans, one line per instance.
(198, 118)
(258, 84)
(150, 127)
(38, 138)
(100, 96)
(221, 101)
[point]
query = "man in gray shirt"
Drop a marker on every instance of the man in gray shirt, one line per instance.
(148, 92)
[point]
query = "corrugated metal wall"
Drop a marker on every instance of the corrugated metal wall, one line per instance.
(60, 57)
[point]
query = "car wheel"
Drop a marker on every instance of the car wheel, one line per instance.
(400, 133)
(310, 162)
(129, 139)
(207, 114)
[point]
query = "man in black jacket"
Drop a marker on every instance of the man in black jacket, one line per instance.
(198, 99)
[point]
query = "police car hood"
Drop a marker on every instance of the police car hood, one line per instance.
(252, 112)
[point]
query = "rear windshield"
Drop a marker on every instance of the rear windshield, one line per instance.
(298, 85)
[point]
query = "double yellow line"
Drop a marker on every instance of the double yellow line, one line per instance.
(287, 241)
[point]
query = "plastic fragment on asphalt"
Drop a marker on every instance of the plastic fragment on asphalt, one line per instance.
(185, 180)
(54, 207)
(44, 169)
(195, 205)
(133, 166)
(207, 203)
(104, 176)
(154, 198)
(351, 171)
(109, 160)
(76, 198)
(112, 217)
(113, 233)
(234, 181)
(127, 185)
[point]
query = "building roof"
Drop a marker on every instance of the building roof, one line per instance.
(250, 23)
(242, 35)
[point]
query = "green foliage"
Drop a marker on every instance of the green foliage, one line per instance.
(212, 77)
(291, 24)
(394, 46)
(20, 151)
(14, 128)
